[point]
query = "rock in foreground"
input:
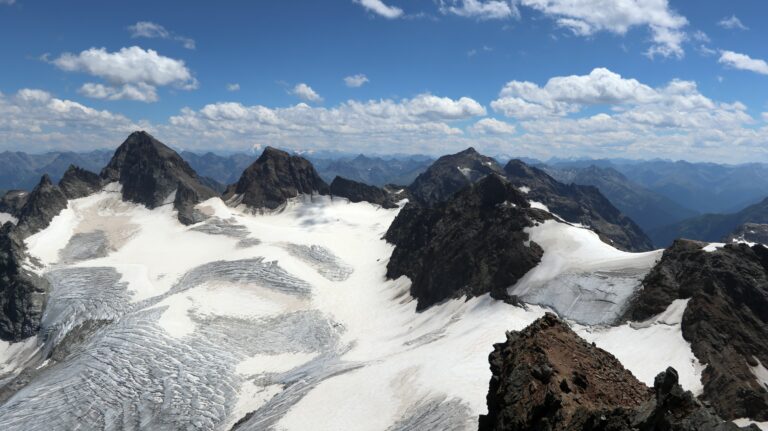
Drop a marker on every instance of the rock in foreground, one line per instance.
(546, 377)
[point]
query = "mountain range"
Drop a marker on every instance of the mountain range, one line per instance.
(140, 297)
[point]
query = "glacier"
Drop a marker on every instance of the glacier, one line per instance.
(284, 320)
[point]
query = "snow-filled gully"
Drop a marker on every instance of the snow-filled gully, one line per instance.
(286, 321)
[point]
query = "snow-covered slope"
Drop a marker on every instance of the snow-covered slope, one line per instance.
(281, 320)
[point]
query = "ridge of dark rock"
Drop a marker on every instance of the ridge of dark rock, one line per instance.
(471, 244)
(275, 177)
(449, 174)
(44, 203)
(78, 182)
(579, 204)
(546, 377)
(359, 192)
(726, 319)
(13, 201)
(22, 293)
(149, 172)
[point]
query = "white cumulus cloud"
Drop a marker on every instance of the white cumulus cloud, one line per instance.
(587, 17)
(378, 7)
(132, 73)
(305, 92)
(355, 81)
(492, 126)
(743, 62)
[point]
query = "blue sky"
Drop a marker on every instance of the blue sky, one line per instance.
(627, 78)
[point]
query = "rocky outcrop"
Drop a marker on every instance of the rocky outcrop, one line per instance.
(13, 201)
(359, 192)
(78, 183)
(750, 232)
(579, 204)
(546, 377)
(44, 203)
(470, 245)
(449, 174)
(273, 178)
(726, 319)
(22, 293)
(150, 172)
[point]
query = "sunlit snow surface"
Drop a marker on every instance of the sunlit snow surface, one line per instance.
(277, 321)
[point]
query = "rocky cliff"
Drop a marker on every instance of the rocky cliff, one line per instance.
(150, 173)
(273, 178)
(471, 244)
(546, 377)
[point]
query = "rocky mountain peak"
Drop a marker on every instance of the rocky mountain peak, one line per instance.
(469, 245)
(150, 172)
(44, 203)
(78, 182)
(547, 377)
(451, 173)
(579, 204)
(273, 178)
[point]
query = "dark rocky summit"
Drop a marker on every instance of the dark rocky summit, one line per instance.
(44, 203)
(22, 293)
(546, 377)
(471, 244)
(274, 178)
(579, 204)
(726, 319)
(77, 182)
(150, 172)
(359, 192)
(13, 201)
(449, 174)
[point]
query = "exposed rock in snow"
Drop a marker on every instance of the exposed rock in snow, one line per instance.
(724, 321)
(584, 205)
(471, 244)
(149, 172)
(44, 203)
(79, 183)
(359, 192)
(13, 201)
(22, 292)
(273, 178)
(449, 174)
(750, 232)
(546, 377)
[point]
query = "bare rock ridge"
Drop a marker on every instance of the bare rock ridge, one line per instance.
(78, 183)
(150, 172)
(13, 201)
(273, 178)
(579, 204)
(44, 203)
(22, 293)
(449, 174)
(726, 319)
(359, 192)
(546, 377)
(471, 244)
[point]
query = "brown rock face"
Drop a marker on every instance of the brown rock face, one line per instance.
(726, 320)
(274, 178)
(547, 378)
